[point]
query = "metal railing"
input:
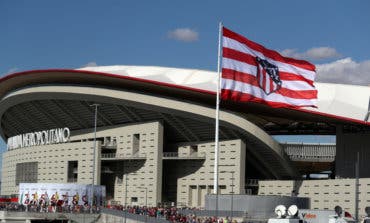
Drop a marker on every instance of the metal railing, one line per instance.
(252, 182)
(108, 155)
(165, 155)
(183, 156)
(122, 156)
(170, 154)
(109, 145)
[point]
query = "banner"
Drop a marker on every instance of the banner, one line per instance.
(60, 194)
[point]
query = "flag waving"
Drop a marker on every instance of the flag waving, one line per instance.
(252, 73)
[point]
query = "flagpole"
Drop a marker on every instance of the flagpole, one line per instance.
(215, 178)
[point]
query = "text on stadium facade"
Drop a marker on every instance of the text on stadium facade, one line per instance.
(46, 137)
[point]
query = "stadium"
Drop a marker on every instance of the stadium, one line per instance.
(155, 137)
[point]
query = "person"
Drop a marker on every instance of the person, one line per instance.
(75, 199)
(47, 201)
(54, 200)
(27, 198)
(35, 198)
(65, 199)
(42, 202)
(85, 200)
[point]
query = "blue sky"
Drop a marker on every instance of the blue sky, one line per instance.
(44, 34)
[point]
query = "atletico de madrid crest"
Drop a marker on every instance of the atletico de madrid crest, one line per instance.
(268, 76)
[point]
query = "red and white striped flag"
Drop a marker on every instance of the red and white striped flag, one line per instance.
(250, 72)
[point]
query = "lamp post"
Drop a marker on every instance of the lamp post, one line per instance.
(126, 196)
(217, 201)
(94, 154)
(232, 195)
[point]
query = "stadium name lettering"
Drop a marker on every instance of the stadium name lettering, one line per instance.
(46, 137)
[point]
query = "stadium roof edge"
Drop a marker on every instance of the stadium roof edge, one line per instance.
(337, 104)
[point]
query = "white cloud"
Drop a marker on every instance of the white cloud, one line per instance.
(183, 34)
(345, 71)
(316, 53)
(90, 64)
(320, 53)
(290, 53)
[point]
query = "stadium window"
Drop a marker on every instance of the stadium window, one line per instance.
(136, 143)
(26, 172)
(72, 171)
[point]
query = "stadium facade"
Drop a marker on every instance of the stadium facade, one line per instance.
(155, 135)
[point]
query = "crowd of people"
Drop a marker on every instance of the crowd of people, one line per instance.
(172, 214)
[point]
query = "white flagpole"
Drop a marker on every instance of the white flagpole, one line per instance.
(215, 178)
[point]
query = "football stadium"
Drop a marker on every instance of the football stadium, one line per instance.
(155, 138)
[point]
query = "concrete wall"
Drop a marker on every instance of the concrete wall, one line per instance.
(53, 161)
(136, 153)
(139, 176)
(195, 181)
(324, 194)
